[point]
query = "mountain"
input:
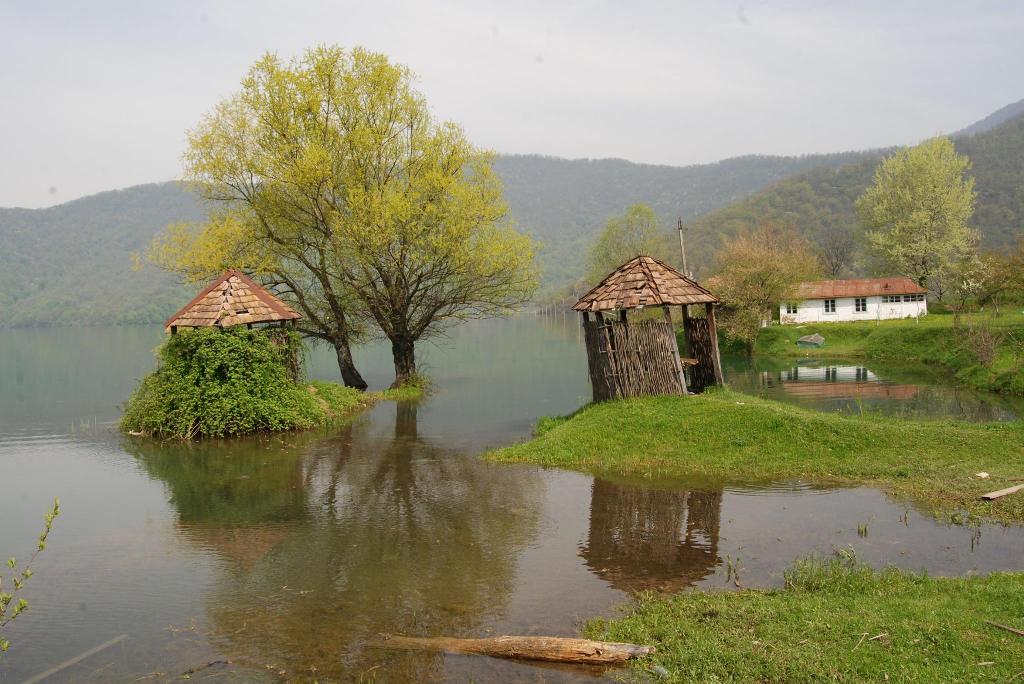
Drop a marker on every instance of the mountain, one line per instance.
(820, 202)
(993, 120)
(564, 203)
(73, 263)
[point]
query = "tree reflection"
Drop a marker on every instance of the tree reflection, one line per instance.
(375, 531)
(652, 539)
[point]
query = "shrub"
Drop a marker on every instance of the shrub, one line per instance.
(213, 383)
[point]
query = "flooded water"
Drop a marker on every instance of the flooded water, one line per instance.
(846, 386)
(289, 556)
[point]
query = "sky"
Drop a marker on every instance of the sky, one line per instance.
(99, 95)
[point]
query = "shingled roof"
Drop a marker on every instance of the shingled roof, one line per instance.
(232, 299)
(861, 287)
(643, 281)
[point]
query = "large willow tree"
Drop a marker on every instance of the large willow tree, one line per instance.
(329, 179)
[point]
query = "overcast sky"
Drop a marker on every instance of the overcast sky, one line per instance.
(98, 95)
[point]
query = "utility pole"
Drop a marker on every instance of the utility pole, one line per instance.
(682, 247)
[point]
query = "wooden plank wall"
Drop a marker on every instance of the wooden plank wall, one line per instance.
(698, 339)
(631, 359)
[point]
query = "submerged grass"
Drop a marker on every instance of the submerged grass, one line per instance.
(835, 620)
(985, 352)
(722, 435)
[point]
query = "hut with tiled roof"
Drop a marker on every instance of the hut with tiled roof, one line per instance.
(232, 299)
(641, 357)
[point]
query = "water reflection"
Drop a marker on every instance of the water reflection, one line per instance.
(906, 391)
(652, 539)
(326, 546)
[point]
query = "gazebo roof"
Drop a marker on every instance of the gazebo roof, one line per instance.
(643, 281)
(232, 299)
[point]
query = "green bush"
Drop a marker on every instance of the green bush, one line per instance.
(214, 383)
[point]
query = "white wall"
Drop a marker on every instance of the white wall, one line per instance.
(813, 310)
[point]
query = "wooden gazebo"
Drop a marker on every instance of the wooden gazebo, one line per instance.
(636, 358)
(232, 299)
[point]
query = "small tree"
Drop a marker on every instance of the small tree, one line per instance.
(756, 272)
(966, 281)
(10, 609)
(624, 237)
(917, 211)
(837, 247)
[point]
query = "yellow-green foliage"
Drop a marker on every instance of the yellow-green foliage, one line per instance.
(918, 208)
(333, 180)
(214, 383)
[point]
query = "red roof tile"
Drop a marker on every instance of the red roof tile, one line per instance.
(232, 299)
(643, 281)
(861, 287)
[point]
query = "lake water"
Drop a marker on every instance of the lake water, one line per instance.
(288, 556)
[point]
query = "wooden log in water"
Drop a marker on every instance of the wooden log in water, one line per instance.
(551, 649)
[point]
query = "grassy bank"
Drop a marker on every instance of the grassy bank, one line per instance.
(722, 435)
(835, 621)
(984, 352)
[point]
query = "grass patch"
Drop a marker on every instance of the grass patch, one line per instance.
(985, 352)
(723, 436)
(835, 620)
(414, 388)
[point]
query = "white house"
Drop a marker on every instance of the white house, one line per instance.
(865, 299)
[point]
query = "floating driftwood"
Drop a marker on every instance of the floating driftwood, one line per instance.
(1002, 492)
(551, 649)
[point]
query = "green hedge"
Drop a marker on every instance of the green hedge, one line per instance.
(214, 383)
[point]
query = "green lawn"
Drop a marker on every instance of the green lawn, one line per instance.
(931, 339)
(835, 621)
(723, 436)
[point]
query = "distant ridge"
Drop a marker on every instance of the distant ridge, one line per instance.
(68, 263)
(994, 120)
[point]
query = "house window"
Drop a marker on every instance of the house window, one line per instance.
(830, 306)
(791, 308)
(860, 304)
(908, 298)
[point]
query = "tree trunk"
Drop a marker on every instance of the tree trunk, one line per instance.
(349, 375)
(403, 350)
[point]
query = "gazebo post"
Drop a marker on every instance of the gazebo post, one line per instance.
(713, 334)
(622, 315)
(675, 349)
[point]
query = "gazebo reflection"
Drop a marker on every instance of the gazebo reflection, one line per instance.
(652, 539)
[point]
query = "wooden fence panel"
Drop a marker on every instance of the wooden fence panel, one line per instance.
(698, 339)
(632, 359)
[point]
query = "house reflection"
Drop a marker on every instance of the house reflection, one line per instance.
(652, 539)
(839, 382)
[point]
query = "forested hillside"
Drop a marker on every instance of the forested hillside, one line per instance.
(565, 203)
(72, 263)
(820, 202)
